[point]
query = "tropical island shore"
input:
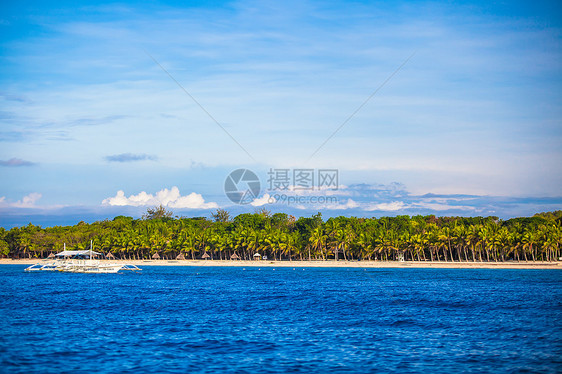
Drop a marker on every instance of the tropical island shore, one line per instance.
(278, 240)
(322, 264)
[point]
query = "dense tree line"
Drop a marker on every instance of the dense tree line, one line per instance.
(282, 237)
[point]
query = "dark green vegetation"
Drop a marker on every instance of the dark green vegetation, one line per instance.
(279, 236)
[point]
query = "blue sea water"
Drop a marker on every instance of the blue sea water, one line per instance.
(216, 319)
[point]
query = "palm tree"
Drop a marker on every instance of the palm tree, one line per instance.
(445, 236)
(318, 241)
(365, 243)
(529, 240)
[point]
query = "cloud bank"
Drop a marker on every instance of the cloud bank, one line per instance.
(265, 199)
(394, 199)
(16, 162)
(130, 157)
(27, 201)
(169, 198)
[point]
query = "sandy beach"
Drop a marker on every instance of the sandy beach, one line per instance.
(339, 264)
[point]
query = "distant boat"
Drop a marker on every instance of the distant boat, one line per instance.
(80, 262)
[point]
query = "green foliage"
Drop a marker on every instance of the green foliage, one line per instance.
(4, 246)
(158, 212)
(306, 225)
(552, 216)
(221, 215)
(280, 236)
(280, 220)
(253, 221)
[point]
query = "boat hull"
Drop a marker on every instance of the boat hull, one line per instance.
(82, 266)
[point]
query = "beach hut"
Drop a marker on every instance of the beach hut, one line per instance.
(180, 257)
(205, 256)
(257, 256)
(400, 256)
(110, 256)
(51, 255)
(156, 256)
(235, 257)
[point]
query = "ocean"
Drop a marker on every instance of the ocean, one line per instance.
(276, 320)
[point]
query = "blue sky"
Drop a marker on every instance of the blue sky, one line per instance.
(470, 125)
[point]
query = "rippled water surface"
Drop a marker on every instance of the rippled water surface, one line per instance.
(211, 319)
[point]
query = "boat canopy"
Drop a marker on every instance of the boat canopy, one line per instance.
(76, 253)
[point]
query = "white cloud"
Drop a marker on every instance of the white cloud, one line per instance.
(192, 201)
(441, 206)
(134, 200)
(27, 201)
(265, 199)
(170, 198)
(349, 204)
(352, 204)
(386, 207)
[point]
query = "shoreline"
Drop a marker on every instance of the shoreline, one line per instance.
(320, 264)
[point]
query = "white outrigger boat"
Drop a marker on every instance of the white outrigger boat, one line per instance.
(80, 262)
